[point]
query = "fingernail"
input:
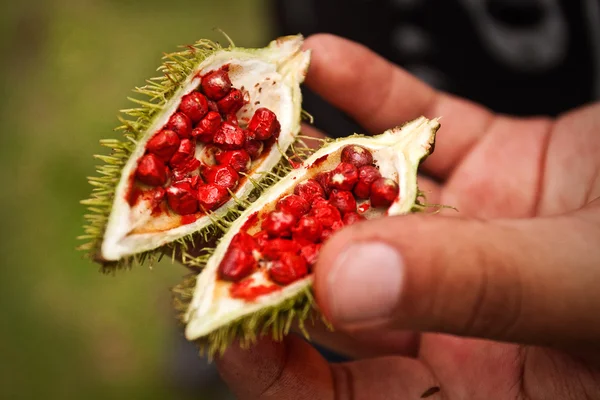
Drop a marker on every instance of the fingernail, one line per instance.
(365, 283)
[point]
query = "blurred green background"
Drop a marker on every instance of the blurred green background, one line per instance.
(68, 332)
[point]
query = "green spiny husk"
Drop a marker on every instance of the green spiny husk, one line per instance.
(134, 122)
(157, 92)
(275, 321)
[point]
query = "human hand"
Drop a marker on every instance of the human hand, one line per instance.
(497, 301)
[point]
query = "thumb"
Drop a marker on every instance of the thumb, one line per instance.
(530, 281)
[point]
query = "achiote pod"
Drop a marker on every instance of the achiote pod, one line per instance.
(259, 278)
(211, 131)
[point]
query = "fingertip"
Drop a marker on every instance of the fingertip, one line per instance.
(327, 260)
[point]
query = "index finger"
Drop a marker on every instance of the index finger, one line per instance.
(380, 95)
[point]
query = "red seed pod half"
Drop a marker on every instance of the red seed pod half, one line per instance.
(231, 103)
(344, 176)
(180, 124)
(293, 204)
(222, 175)
(239, 261)
(184, 153)
(343, 200)
(309, 190)
(288, 268)
(216, 84)
(274, 247)
(152, 170)
(230, 137)
(366, 176)
(211, 196)
(356, 155)
(264, 124)
(383, 192)
(207, 127)
(326, 214)
(352, 217)
(239, 160)
(254, 148)
(310, 252)
(308, 228)
(278, 224)
(194, 105)
(164, 144)
(181, 197)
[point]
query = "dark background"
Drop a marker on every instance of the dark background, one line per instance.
(556, 46)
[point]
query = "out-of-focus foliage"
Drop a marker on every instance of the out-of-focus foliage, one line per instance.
(66, 331)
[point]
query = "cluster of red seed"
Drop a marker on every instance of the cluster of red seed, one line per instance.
(207, 115)
(291, 235)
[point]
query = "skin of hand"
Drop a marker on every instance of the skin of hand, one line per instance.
(500, 300)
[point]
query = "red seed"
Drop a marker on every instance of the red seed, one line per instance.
(274, 247)
(207, 127)
(232, 102)
(309, 190)
(182, 198)
(194, 105)
(320, 202)
(310, 252)
(182, 170)
(152, 170)
(308, 228)
(223, 176)
(230, 137)
(192, 180)
(326, 214)
(343, 201)
(164, 144)
(264, 124)
(352, 217)
(279, 223)
(327, 233)
(366, 176)
(356, 155)
(344, 176)
(323, 179)
(288, 268)
(211, 196)
(180, 124)
(216, 84)
(239, 261)
(156, 197)
(261, 238)
(239, 160)
(184, 153)
(212, 106)
(232, 119)
(254, 148)
(383, 192)
(293, 204)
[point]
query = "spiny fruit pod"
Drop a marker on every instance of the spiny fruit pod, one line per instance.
(259, 277)
(218, 114)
